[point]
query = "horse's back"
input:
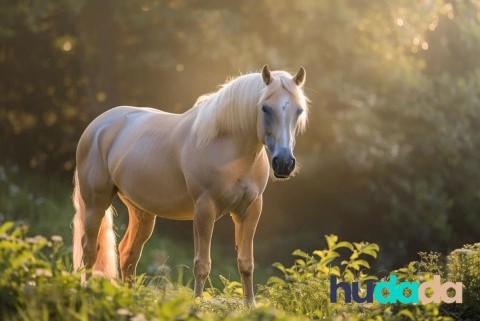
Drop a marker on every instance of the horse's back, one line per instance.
(137, 148)
(103, 132)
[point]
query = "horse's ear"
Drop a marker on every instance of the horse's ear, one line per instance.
(299, 78)
(266, 75)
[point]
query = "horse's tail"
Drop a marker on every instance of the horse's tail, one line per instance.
(106, 262)
(78, 228)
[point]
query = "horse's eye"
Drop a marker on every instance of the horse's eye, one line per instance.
(299, 111)
(266, 109)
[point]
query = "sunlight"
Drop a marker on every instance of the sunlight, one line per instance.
(67, 45)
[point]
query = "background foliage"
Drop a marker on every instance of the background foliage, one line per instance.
(391, 153)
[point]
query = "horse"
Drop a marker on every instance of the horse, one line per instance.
(215, 158)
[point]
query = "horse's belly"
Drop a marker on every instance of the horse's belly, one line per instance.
(177, 206)
(156, 187)
(180, 210)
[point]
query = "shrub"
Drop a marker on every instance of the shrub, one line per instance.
(37, 284)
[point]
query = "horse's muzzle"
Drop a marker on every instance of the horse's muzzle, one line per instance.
(283, 165)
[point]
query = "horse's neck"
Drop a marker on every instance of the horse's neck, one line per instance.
(248, 146)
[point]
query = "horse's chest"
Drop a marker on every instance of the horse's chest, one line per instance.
(238, 196)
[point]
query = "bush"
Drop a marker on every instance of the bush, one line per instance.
(36, 284)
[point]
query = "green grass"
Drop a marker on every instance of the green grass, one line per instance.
(37, 282)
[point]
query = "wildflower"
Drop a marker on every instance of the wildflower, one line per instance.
(123, 311)
(139, 317)
(57, 238)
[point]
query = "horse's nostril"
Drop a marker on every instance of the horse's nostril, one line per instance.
(291, 165)
(275, 162)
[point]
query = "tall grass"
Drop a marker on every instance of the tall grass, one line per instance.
(37, 283)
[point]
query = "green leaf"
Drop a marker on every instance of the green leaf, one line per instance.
(279, 266)
(406, 313)
(412, 266)
(328, 258)
(335, 270)
(320, 253)
(275, 280)
(5, 227)
(371, 249)
(348, 275)
(354, 255)
(354, 265)
(364, 278)
(331, 240)
(343, 244)
(300, 253)
(363, 263)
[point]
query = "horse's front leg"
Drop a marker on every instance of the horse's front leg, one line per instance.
(245, 226)
(203, 221)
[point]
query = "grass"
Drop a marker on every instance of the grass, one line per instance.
(37, 283)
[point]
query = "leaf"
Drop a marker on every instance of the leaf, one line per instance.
(343, 244)
(368, 278)
(358, 246)
(300, 253)
(320, 253)
(331, 240)
(5, 227)
(275, 280)
(354, 255)
(233, 285)
(412, 266)
(335, 271)
(406, 313)
(348, 275)
(401, 271)
(279, 266)
(363, 263)
(371, 249)
(354, 265)
(328, 258)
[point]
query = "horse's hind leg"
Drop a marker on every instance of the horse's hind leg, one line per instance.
(95, 206)
(140, 228)
(94, 239)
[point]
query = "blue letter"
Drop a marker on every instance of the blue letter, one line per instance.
(355, 292)
(334, 287)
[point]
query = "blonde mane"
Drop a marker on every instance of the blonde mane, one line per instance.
(234, 107)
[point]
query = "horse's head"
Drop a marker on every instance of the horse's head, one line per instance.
(282, 114)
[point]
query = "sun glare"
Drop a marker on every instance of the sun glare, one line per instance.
(67, 45)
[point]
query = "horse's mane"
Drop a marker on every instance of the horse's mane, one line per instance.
(234, 107)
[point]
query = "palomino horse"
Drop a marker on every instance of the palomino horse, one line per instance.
(213, 159)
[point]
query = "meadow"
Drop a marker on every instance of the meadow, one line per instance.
(37, 281)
